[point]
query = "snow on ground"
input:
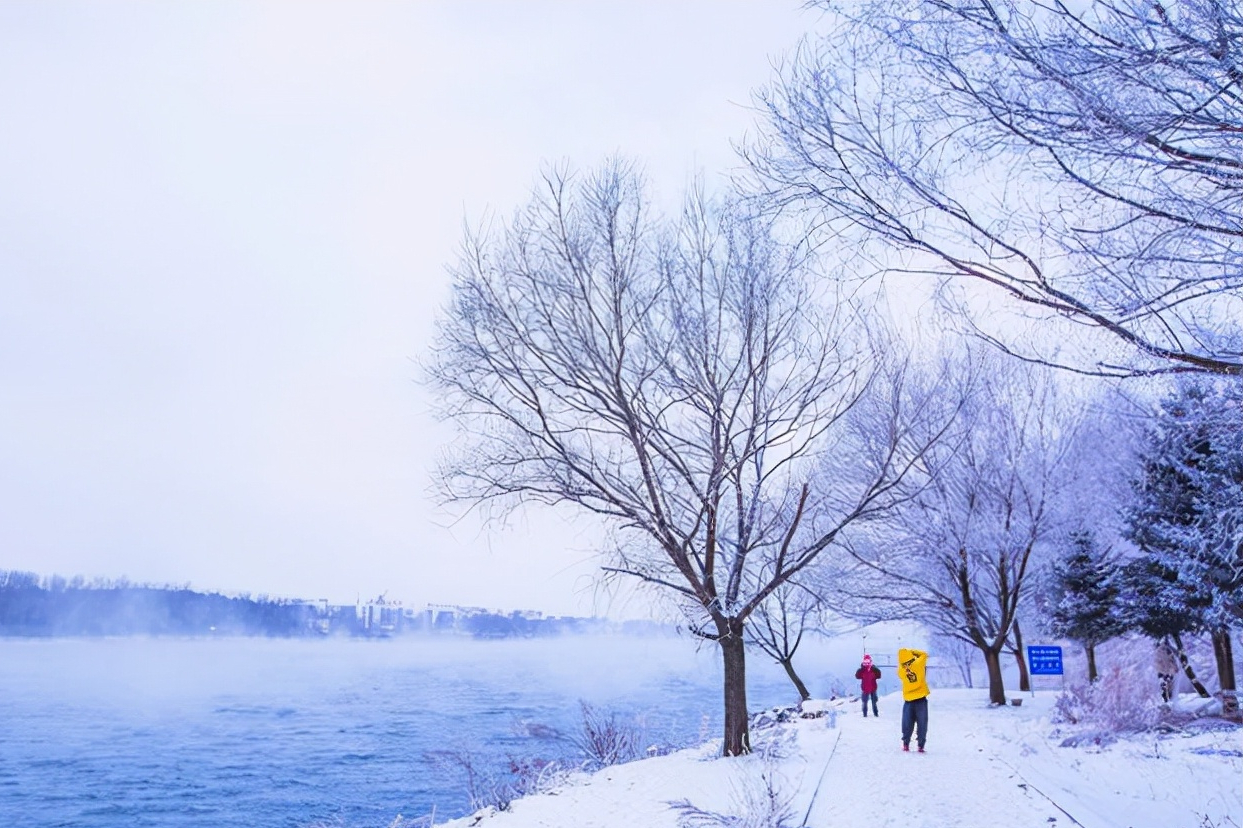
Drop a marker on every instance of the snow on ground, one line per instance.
(1160, 778)
(985, 767)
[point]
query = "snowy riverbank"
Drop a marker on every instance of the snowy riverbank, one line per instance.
(984, 767)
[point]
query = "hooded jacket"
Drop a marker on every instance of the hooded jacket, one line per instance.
(913, 671)
(867, 674)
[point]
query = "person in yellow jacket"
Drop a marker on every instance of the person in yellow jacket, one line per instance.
(913, 673)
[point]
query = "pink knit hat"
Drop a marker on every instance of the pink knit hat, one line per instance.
(867, 659)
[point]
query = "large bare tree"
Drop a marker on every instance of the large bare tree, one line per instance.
(677, 379)
(1085, 159)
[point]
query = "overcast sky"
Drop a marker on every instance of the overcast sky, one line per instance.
(223, 238)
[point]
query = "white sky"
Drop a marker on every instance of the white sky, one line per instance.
(223, 237)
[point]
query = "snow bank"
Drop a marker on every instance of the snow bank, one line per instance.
(985, 767)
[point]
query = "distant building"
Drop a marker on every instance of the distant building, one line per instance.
(380, 617)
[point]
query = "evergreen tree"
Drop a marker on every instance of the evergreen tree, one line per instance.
(1155, 602)
(1085, 609)
(1187, 513)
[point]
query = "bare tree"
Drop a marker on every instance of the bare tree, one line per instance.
(960, 652)
(1083, 159)
(778, 626)
(677, 380)
(959, 556)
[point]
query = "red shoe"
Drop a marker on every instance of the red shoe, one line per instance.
(921, 750)
(906, 748)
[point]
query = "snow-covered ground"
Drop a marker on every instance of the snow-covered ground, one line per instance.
(986, 767)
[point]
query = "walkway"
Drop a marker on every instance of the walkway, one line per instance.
(870, 781)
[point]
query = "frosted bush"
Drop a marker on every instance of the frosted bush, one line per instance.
(1120, 700)
(487, 789)
(761, 799)
(773, 746)
(603, 740)
(531, 776)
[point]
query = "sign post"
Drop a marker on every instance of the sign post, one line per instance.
(1044, 660)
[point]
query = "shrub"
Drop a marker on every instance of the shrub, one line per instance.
(487, 789)
(1120, 700)
(604, 741)
(760, 800)
(531, 776)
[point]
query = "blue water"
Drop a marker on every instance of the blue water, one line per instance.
(112, 733)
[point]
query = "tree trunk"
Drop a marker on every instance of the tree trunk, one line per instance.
(734, 659)
(1090, 650)
(1191, 674)
(1223, 651)
(996, 684)
(1025, 683)
(798, 682)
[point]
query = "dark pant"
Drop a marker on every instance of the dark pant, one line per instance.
(871, 696)
(915, 713)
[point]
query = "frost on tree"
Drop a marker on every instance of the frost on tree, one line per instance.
(1186, 516)
(1084, 606)
(1084, 160)
(958, 555)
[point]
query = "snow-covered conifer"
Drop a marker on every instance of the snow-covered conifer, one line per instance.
(1085, 600)
(1186, 517)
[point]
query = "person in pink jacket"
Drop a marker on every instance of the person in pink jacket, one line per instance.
(868, 676)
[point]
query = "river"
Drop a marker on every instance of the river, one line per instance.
(292, 733)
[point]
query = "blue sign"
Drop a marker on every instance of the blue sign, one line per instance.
(1044, 661)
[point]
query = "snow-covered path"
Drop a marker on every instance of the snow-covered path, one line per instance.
(957, 782)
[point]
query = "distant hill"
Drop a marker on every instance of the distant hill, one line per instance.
(56, 606)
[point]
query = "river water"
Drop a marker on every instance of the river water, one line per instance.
(279, 733)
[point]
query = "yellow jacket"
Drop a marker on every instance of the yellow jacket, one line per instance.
(913, 673)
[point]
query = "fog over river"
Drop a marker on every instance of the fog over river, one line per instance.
(289, 733)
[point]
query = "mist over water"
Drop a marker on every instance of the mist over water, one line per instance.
(287, 732)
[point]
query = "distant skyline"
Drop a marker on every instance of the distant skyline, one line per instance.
(223, 237)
